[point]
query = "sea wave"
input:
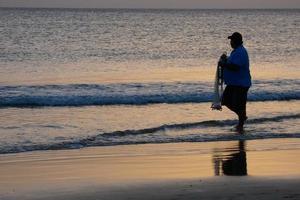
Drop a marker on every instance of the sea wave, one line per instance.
(136, 93)
(154, 135)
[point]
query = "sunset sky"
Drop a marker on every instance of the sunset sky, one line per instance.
(152, 3)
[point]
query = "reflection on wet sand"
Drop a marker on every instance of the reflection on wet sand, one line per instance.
(230, 161)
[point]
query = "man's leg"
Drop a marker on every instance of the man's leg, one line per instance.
(227, 98)
(241, 106)
(242, 118)
(235, 98)
(231, 99)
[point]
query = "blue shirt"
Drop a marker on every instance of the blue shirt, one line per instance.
(242, 77)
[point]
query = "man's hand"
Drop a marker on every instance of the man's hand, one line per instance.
(223, 57)
(223, 60)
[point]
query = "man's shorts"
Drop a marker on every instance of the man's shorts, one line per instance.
(235, 97)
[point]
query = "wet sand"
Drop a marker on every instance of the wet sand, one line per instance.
(257, 169)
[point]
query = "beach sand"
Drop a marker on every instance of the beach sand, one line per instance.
(258, 169)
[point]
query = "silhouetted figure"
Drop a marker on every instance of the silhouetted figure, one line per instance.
(237, 78)
(234, 164)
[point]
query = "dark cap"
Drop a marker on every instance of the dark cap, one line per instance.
(236, 36)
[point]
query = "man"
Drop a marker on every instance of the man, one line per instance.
(237, 79)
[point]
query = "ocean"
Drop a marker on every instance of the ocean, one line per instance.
(74, 78)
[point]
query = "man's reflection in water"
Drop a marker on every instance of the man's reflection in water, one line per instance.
(232, 164)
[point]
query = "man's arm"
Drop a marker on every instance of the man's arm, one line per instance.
(224, 64)
(230, 66)
(233, 62)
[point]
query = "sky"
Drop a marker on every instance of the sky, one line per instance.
(152, 3)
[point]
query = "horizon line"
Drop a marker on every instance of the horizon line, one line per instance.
(125, 8)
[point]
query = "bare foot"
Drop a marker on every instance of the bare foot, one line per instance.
(240, 127)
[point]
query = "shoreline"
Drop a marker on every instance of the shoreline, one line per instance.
(179, 171)
(226, 187)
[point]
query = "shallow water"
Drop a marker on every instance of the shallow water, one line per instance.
(77, 78)
(25, 129)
